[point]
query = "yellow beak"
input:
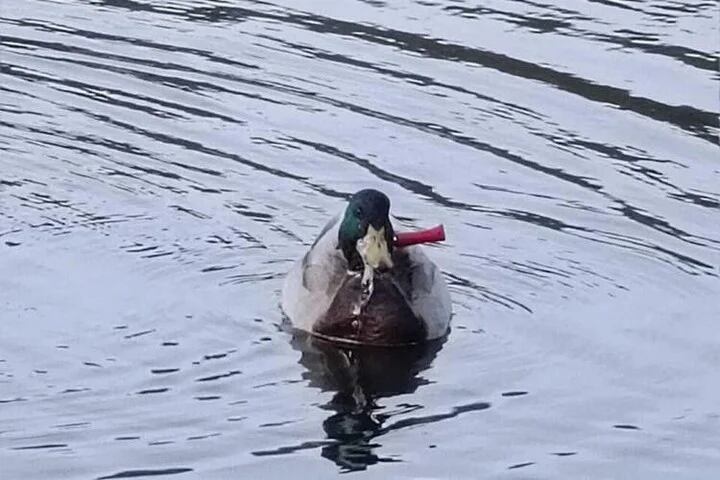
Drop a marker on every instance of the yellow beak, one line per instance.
(374, 249)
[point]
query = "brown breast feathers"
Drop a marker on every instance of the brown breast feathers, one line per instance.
(386, 319)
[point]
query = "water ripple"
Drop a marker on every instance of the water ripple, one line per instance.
(162, 165)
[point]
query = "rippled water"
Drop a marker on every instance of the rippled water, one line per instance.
(163, 163)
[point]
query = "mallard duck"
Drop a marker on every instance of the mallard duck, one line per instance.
(355, 286)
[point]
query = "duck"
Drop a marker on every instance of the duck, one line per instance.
(355, 286)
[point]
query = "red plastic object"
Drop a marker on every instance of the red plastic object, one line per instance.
(405, 239)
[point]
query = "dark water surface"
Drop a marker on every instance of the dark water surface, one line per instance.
(163, 163)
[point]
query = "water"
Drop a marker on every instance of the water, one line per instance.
(163, 163)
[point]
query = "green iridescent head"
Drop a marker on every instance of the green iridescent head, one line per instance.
(367, 218)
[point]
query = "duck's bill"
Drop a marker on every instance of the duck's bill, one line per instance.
(374, 250)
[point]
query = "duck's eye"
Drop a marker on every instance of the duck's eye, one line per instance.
(359, 212)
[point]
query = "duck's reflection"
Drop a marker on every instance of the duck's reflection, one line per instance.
(359, 376)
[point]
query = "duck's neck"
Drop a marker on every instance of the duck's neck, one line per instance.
(348, 235)
(381, 237)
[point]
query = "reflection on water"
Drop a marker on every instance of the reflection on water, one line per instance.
(362, 374)
(162, 164)
(358, 377)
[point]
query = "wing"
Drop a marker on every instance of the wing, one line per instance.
(425, 290)
(313, 281)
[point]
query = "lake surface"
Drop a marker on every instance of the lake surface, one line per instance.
(162, 164)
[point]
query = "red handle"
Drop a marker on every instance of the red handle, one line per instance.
(405, 239)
